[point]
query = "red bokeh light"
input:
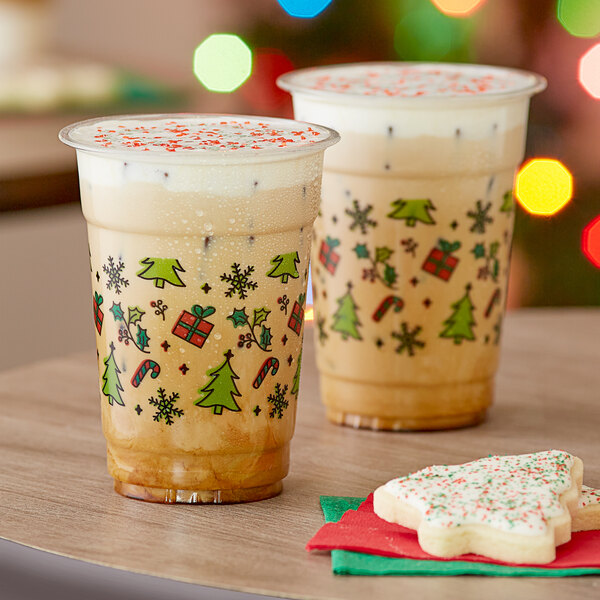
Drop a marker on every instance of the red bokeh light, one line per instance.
(260, 90)
(590, 241)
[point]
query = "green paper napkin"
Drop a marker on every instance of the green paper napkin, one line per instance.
(344, 562)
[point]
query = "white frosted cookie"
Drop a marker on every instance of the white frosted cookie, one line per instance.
(588, 510)
(511, 508)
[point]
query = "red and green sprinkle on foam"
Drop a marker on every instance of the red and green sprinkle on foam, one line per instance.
(511, 493)
(184, 135)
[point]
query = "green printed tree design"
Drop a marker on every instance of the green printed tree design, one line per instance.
(284, 266)
(296, 384)
(162, 270)
(412, 211)
(459, 325)
(345, 319)
(112, 387)
(220, 392)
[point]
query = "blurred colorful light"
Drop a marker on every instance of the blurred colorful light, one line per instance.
(458, 8)
(310, 314)
(426, 34)
(589, 71)
(543, 186)
(261, 90)
(222, 62)
(590, 241)
(304, 9)
(580, 18)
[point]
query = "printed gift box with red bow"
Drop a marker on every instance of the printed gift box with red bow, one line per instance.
(440, 261)
(192, 326)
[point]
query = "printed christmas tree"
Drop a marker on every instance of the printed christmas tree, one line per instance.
(220, 392)
(345, 319)
(459, 325)
(412, 211)
(285, 266)
(161, 270)
(508, 202)
(296, 384)
(112, 387)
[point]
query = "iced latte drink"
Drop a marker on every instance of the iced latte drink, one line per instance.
(411, 249)
(199, 235)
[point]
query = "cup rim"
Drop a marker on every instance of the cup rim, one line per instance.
(199, 156)
(290, 83)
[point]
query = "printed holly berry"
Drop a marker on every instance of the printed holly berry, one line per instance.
(345, 318)
(114, 272)
(285, 266)
(360, 217)
(161, 271)
(412, 211)
(380, 268)
(221, 391)
(239, 318)
(165, 406)
(328, 257)
(112, 387)
(278, 401)
(239, 281)
(296, 384)
(508, 202)
(134, 314)
(459, 325)
(480, 217)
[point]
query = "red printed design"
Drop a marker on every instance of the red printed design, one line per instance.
(193, 328)
(98, 314)
(328, 257)
(440, 261)
(297, 317)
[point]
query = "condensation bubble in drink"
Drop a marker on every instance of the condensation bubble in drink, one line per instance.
(217, 336)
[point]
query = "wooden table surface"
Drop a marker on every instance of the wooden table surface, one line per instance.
(55, 494)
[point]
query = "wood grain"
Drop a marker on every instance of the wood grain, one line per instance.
(55, 494)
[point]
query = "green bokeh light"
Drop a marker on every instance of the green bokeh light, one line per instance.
(424, 33)
(580, 18)
(222, 62)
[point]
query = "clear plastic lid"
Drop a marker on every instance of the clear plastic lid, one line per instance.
(203, 138)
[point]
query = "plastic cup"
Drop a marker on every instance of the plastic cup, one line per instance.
(412, 244)
(199, 232)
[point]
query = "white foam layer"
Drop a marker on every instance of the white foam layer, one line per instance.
(409, 121)
(230, 181)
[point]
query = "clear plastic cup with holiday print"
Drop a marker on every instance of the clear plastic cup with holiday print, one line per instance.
(412, 243)
(199, 231)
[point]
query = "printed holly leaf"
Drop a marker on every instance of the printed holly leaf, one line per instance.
(361, 251)
(239, 318)
(494, 247)
(142, 337)
(478, 251)
(117, 312)
(265, 337)
(260, 315)
(389, 274)
(135, 314)
(382, 254)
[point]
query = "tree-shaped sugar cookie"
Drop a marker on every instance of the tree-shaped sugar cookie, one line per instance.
(510, 508)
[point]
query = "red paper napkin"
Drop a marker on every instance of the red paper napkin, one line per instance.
(363, 531)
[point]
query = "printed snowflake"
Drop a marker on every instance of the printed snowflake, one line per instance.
(480, 217)
(322, 333)
(408, 339)
(165, 406)
(360, 217)
(277, 399)
(114, 275)
(239, 281)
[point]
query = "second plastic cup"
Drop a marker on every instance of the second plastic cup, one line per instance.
(199, 235)
(412, 244)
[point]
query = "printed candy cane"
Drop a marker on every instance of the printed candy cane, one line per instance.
(270, 364)
(495, 299)
(385, 305)
(140, 372)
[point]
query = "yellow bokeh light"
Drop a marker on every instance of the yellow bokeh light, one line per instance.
(544, 186)
(458, 8)
(310, 314)
(589, 71)
(222, 62)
